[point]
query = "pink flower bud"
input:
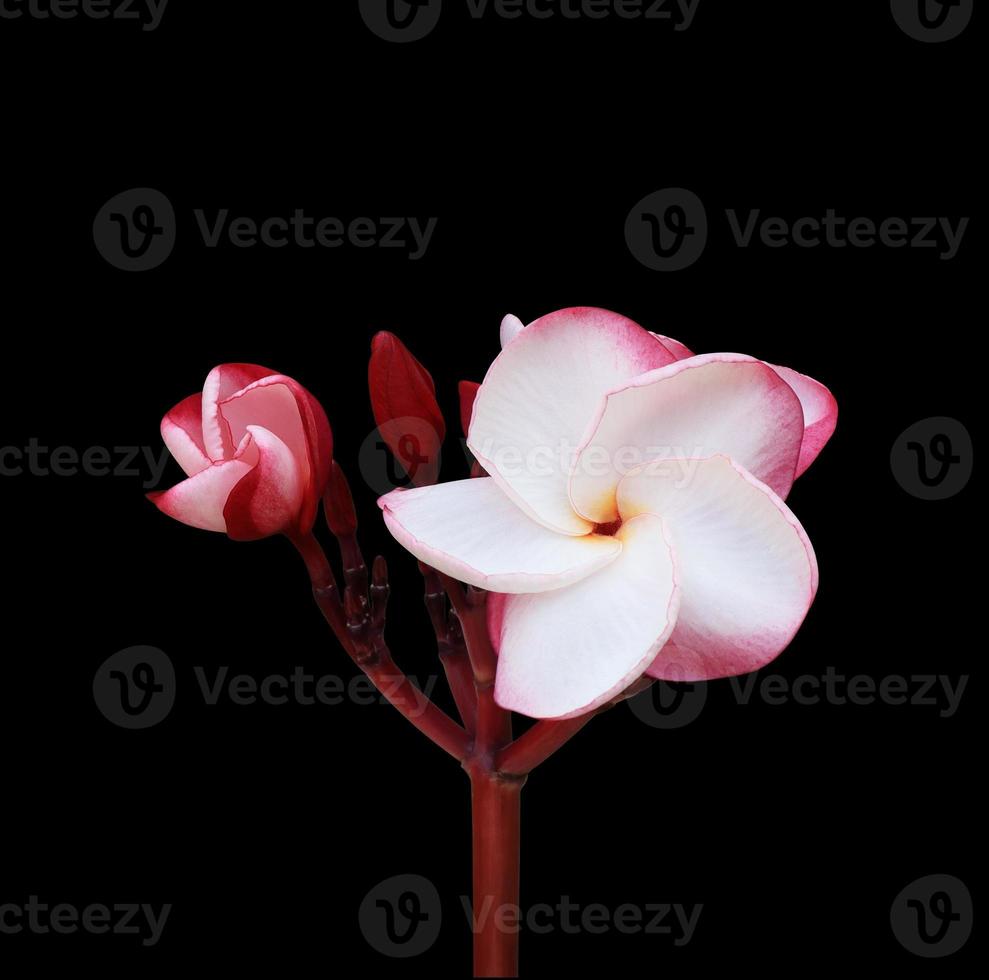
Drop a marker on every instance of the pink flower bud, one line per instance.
(403, 398)
(256, 448)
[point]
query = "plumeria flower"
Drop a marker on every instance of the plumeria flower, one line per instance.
(256, 448)
(632, 521)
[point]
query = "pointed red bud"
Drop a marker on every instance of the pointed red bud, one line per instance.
(468, 392)
(403, 398)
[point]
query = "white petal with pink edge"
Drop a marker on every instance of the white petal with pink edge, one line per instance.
(270, 403)
(538, 397)
(711, 403)
(182, 431)
(511, 327)
(745, 566)
(199, 501)
(222, 382)
(678, 350)
(820, 414)
(566, 652)
(471, 531)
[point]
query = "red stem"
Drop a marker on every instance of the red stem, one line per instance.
(376, 661)
(495, 801)
(451, 647)
(497, 766)
(538, 744)
(456, 666)
(471, 610)
(545, 737)
(496, 823)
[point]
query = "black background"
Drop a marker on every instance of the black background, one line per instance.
(795, 825)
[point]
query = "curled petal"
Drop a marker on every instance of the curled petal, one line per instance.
(282, 406)
(538, 396)
(200, 500)
(268, 499)
(182, 431)
(745, 566)
(222, 382)
(820, 414)
(511, 327)
(712, 403)
(566, 652)
(470, 530)
(819, 405)
(678, 350)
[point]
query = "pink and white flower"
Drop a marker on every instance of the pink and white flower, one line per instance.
(632, 521)
(256, 448)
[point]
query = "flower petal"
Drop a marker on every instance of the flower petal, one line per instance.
(282, 406)
(744, 564)
(469, 529)
(712, 403)
(819, 405)
(182, 430)
(566, 652)
(221, 383)
(678, 350)
(539, 395)
(511, 327)
(820, 414)
(199, 501)
(268, 499)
